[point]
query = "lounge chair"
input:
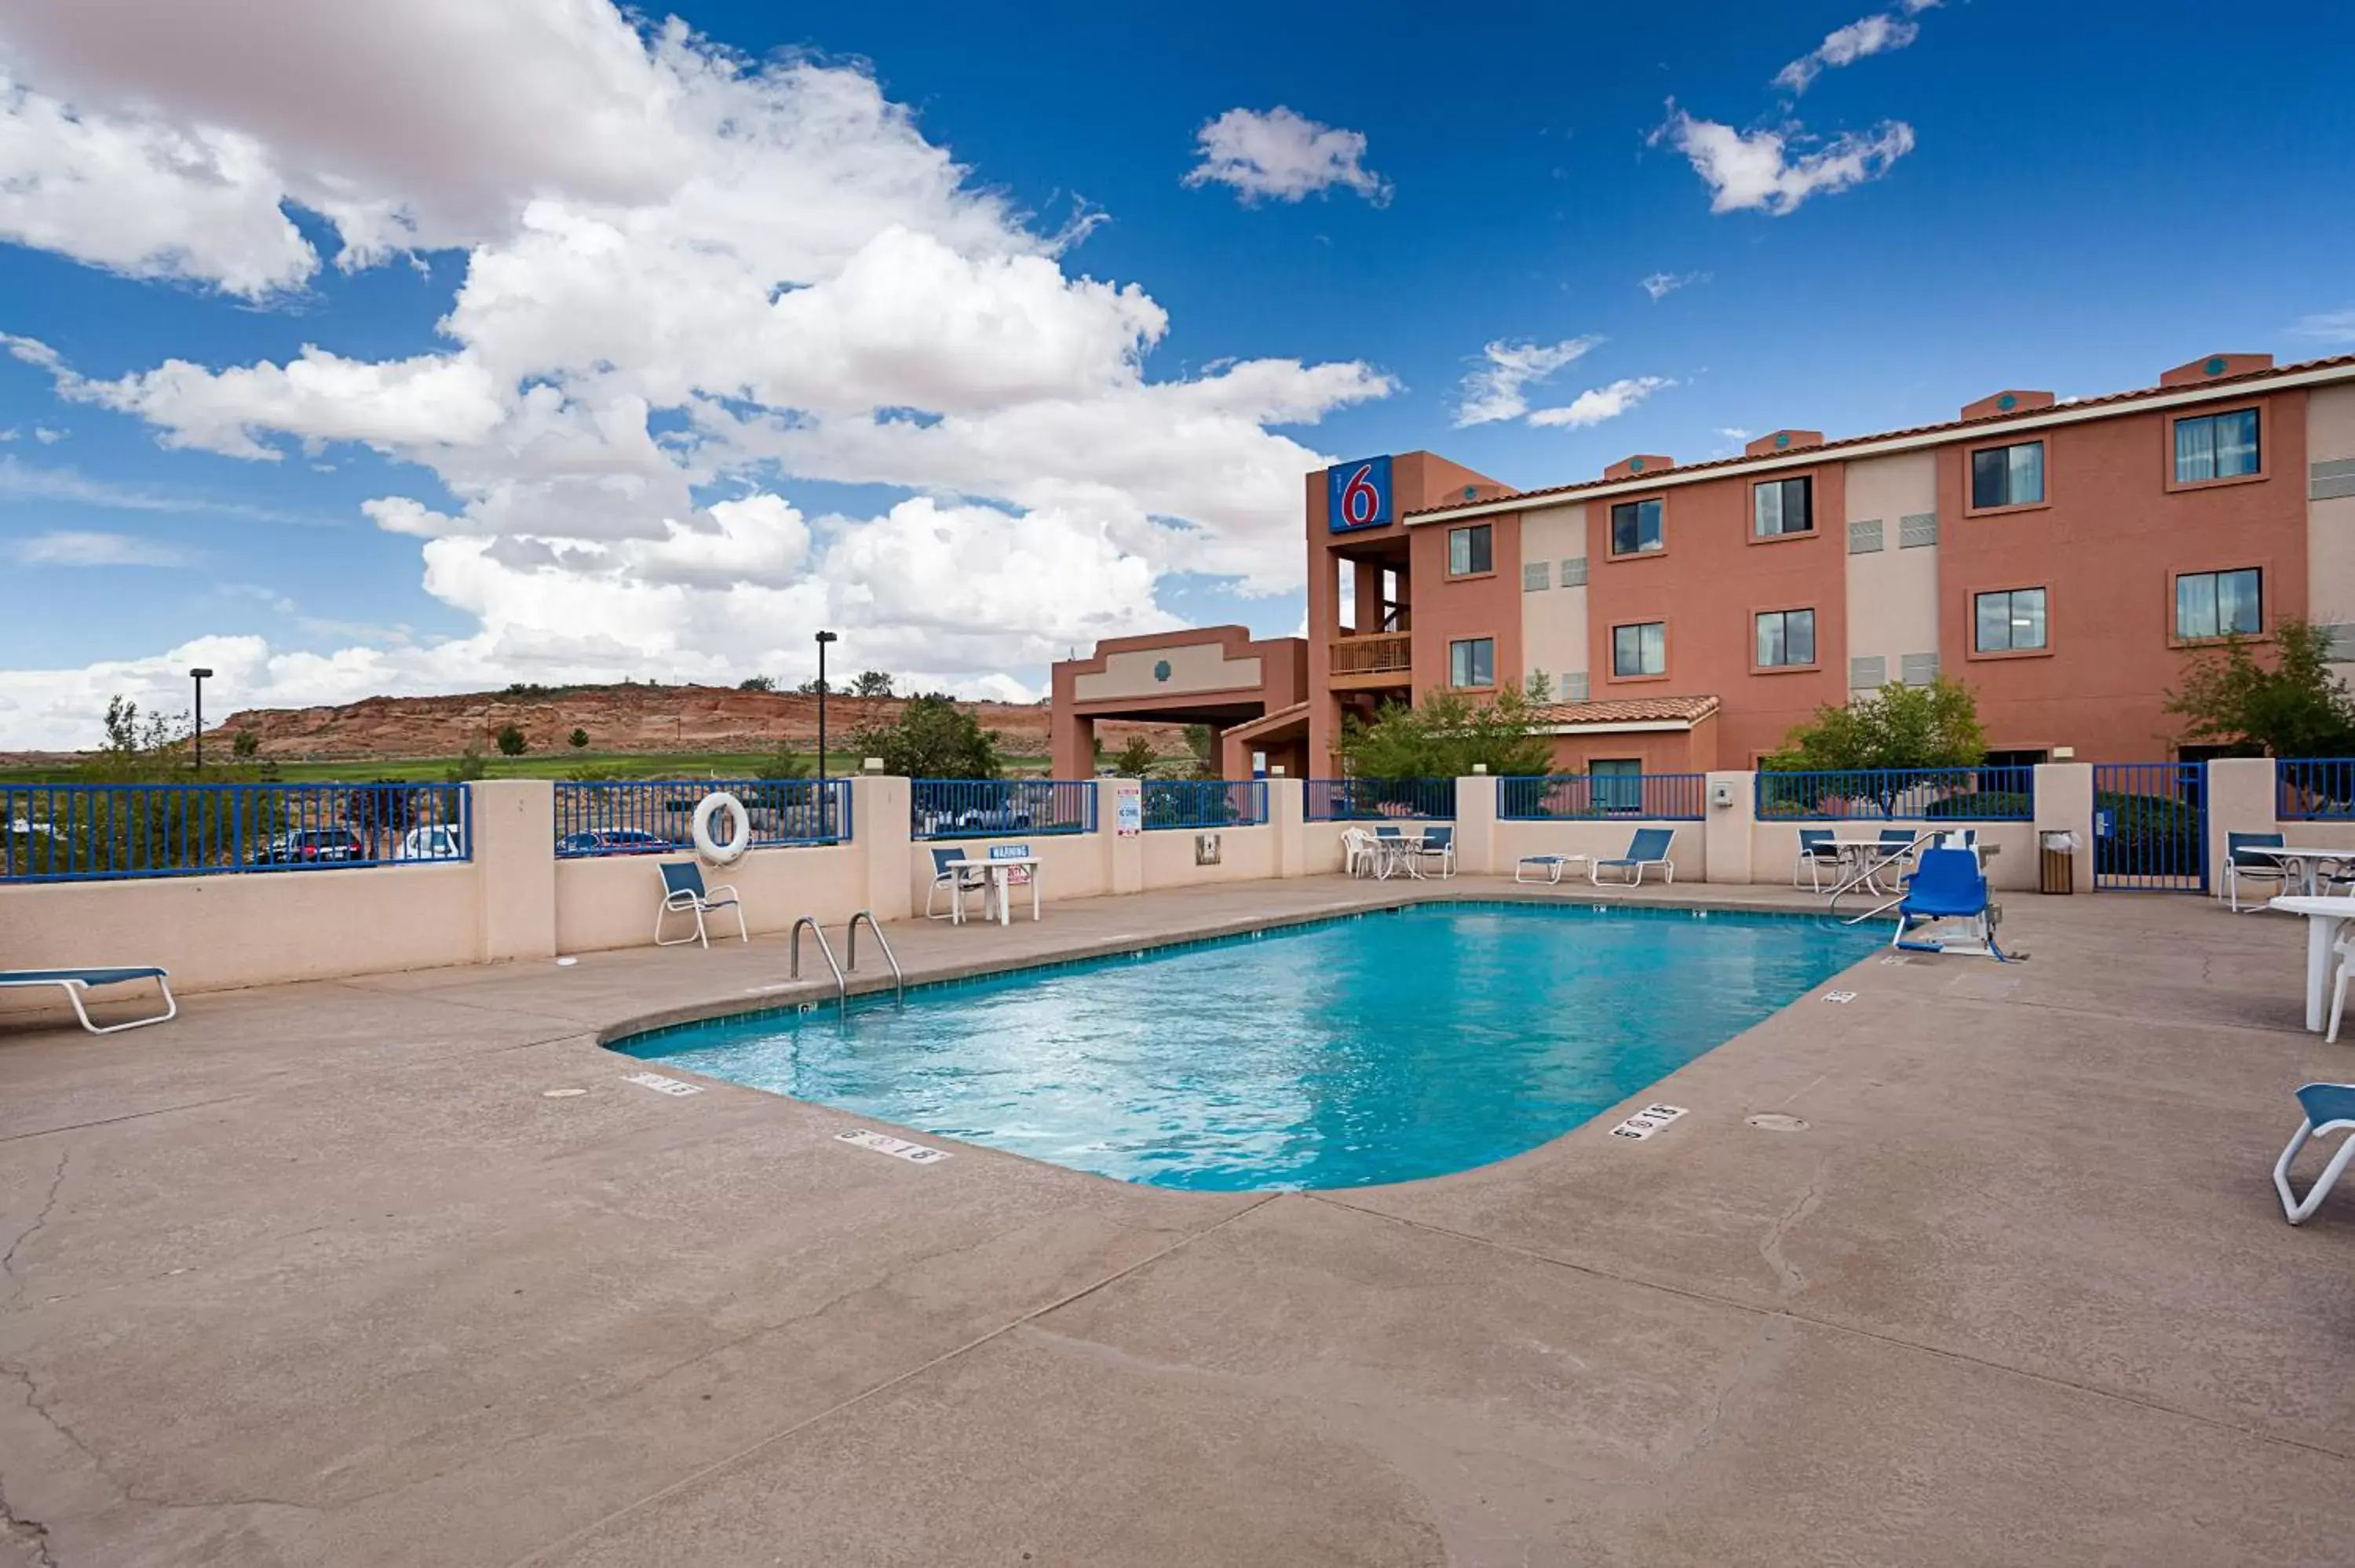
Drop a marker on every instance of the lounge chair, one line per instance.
(1552, 864)
(959, 879)
(1949, 885)
(2329, 1107)
(1438, 843)
(1649, 848)
(74, 983)
(2243, 865)
(1818, 849)
(684, 892)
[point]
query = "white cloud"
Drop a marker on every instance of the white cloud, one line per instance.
(1284, 156)
(69, 547)
(48, 437)
(689, 281)
(1873, 34)
(1660, 285)
(1497, 391)
(1597, 403)
(1761, 171)
(2328, 326)
(20, 482)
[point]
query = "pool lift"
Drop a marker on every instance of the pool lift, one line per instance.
(841, 984)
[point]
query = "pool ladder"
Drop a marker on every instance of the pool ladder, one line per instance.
(842, 985)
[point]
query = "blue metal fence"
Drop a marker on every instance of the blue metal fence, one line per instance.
(657, 816)
(1205, 802)
(1361, 799)
(2150, 827)
(983, 808)
(2315, 790)
(1901, 794)
(1653, 796)
(83, 832)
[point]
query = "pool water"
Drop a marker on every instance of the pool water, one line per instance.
(1378, 1048)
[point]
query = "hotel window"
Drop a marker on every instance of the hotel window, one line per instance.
(1636, 527)
(1786, 637)
(1469, 551)
(2007, 476)
(1640, 649)
(2216, 446)
(2010, 622)
(1783, 506)
(2220, 604)
(1617, 784)
(1471, 662)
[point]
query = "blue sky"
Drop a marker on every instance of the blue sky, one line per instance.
(2071, 197)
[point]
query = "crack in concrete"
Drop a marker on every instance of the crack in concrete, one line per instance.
(15, 1526)
(111, 1120)
(1770, 1247)
(1747, 1369)
(8, 1259)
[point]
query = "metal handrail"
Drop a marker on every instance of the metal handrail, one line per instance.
(841, 986)
(899, 980)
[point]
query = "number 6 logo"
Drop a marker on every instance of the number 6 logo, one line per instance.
(1358, 494)
(1360, 501)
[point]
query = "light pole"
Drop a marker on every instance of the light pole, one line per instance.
(199, 675)
(822, 639)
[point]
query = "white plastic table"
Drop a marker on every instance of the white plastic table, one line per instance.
(2306, 864)
(2323, 918)
(1001, 886)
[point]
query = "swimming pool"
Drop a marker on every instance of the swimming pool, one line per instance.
(1377, 1048)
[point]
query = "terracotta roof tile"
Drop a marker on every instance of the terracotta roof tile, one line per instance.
(1986, 422)
(1627, 710)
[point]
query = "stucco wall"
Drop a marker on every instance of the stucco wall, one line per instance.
(611, 903)
(1892, 593)
(1193, 667)
(1775, 848)
(1244, 854)
(1600, 840)
(2330, 518)
(1553, 618)
(1071, 865)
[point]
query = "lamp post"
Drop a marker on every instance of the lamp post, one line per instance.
(199, 675)
(822, 639)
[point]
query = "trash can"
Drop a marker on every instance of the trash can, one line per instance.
(2056, 862)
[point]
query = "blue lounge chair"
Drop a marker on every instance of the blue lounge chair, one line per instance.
(2329, 1107)
(1948, 886)
(74, 983)
(1650, 848)
(684, 893)
(2242, 864)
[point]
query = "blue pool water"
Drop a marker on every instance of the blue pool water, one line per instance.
(1380, 1048)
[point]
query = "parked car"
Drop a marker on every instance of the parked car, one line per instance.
(615, 841)
(438, 842)
(315, 846)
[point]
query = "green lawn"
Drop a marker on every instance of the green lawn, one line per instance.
(533, 765)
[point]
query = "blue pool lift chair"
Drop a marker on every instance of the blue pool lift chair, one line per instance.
(1650, 848)
(684, 893)
(75, 982)
(2329, 1107)
(1949, 885)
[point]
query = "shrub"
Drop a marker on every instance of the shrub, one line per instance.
(579, 739)
(511, 741)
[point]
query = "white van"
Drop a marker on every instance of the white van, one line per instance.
(440, 842)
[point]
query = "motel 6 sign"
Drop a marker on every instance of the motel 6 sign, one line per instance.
(1358, 495)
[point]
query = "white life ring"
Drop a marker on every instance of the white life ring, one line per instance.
(739, 841)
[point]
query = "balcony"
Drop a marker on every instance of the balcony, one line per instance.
(1376, 659)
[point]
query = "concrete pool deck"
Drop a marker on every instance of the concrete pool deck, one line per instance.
(319, 1274)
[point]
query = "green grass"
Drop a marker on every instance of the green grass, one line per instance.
(531, 765)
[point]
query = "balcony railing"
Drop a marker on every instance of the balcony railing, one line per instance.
(1380, 654)
(1655, 797)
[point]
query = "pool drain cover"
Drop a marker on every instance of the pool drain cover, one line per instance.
(1775, 1121)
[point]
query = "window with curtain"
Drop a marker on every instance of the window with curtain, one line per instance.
(2216, 446)
(1636, 527)
(1472, 661)
(1640, 649)
(1786, 637)
(2220, 604)
(1470, 550)
(1783, 506)
(2007, 476)
(2010, 621)
(1617, 783)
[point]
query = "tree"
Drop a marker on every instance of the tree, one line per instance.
(1445, 736)
(579, 739)
(2293, 707)
(468, 767)
(1539, 687)
(1204, 745)
(1896, 734)
(245, 746)
(932, 737)
(782, 764)
(756, 684)
(1135, 760)
(812, 686)
(511, 741)
(871, 684)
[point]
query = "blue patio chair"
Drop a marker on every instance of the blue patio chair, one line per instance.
(74, 983)
(1650, 848)
(1819, 848)
(1949, 885)
(1438, 843)
(959, 879)
(2242, 863)
(684, 893)
(2329, 1107)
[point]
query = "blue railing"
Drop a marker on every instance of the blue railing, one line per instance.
(1205, 802)
(83, 832)
(987, 808)
(1362, 800)
(1901, 794)
(1653, 797)
(657, 816)
(2315, 788)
